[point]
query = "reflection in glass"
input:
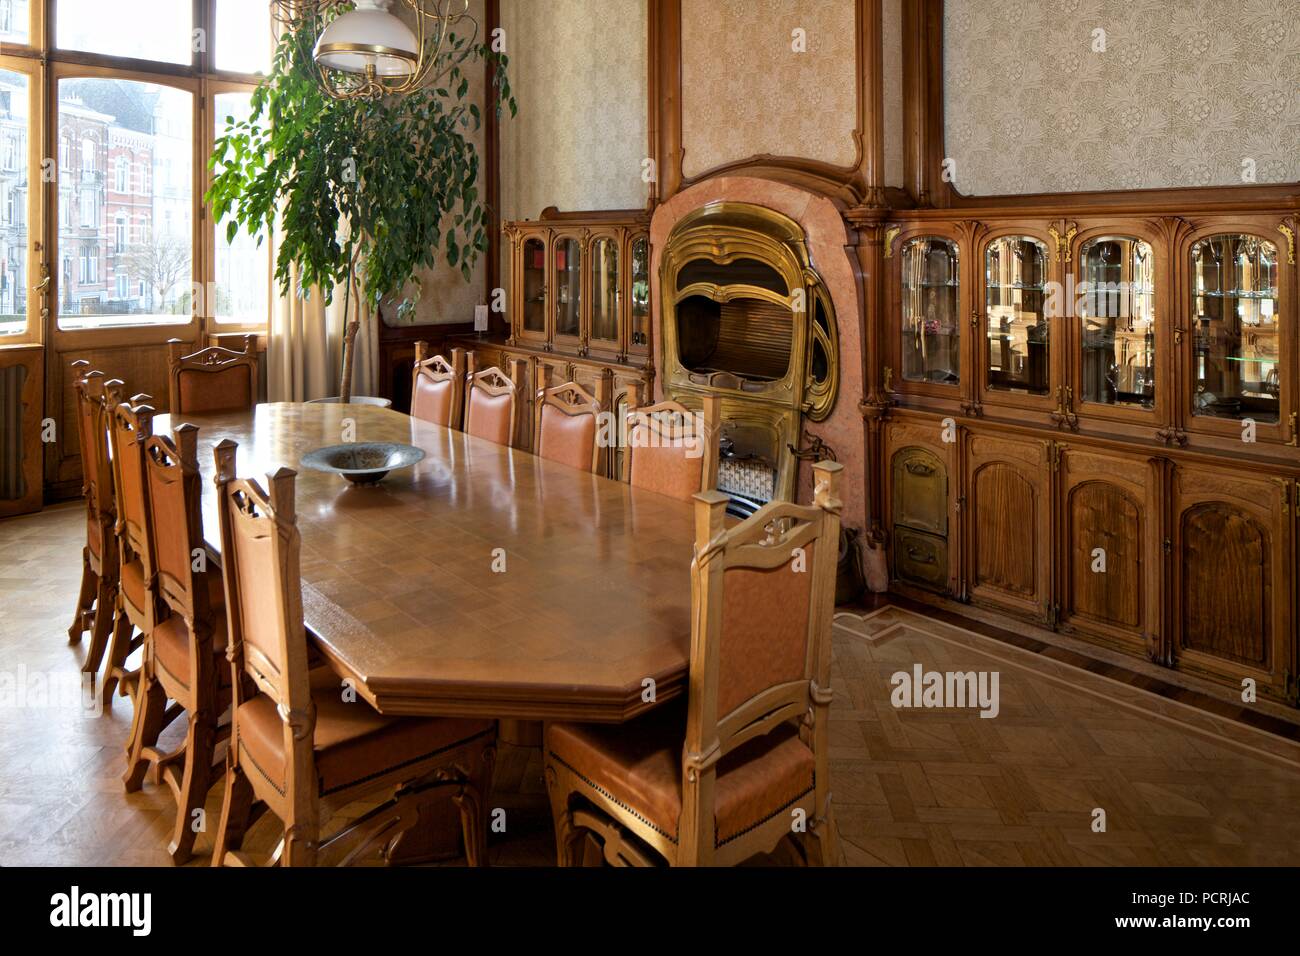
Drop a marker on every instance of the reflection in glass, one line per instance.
(1016, 346)
(931, 326)
(1235, 328)
(534, 286)
(604, 290)
(125, 204)
(145, 29)
(1117, 309)
(14, 132)
(641, 291)
(568, 286)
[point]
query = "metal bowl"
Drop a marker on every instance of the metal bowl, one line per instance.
(362, 463)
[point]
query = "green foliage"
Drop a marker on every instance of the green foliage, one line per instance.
(391, 181)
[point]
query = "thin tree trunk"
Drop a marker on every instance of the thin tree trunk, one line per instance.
(350, 333)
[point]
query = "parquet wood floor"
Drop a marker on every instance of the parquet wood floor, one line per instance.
(912, 787)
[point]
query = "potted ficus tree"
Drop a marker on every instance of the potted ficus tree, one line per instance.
(368, 185)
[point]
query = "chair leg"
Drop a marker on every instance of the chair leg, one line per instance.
(472, 801)
(822, 844)
(85, 598)
(236, 810)
(119, 648)
(299, 846)
(200, 743)
(568, 840)
(150, 714)
(105, 601)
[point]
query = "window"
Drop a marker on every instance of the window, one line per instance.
(123, 170)
(242, 268)
(15, 25)
(156, 119)
(123, 286)
(14, 89)
(240, 49)
(115, 29)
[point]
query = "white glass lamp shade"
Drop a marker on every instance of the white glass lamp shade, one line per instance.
(366, 37)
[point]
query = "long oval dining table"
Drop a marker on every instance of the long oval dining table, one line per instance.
(482, 581)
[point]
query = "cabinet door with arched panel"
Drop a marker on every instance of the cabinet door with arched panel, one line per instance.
(1116, 289)
(1008, 515)
(637, 297)
(531, 300)
(1109, 574)
(920, 503)
(928, 299)
(1018, 352)
(1235, 334)
(1233, 576)
(605, 280)
(569, 289)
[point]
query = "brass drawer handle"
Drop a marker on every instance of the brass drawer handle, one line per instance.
(919, 469)
(920, 557)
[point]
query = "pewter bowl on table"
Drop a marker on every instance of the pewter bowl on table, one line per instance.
(362, 463)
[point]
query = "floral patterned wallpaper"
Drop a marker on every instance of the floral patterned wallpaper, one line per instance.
(1173, 93)
(579, 73)
(746, 91)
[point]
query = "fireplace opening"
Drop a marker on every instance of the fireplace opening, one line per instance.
(747, 337)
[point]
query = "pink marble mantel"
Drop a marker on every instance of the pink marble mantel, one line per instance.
(828, 240)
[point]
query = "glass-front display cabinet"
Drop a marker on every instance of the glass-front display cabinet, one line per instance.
(1236, 345)
(1114, 358)
(638, 295)
(930, 312)
(606, 291)
(1016, 359)
(567, 258)
(580, 285)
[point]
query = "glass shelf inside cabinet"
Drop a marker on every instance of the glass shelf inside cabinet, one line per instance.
(534, 285)
(1235, 330)
(1116, 307)
(568, 286)
(604, 290)
(931, 330)
(1016, 342)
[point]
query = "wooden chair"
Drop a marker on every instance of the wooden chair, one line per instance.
(182, 651)
(213, 379)
(670, 450)
(742, 763)
(130, 424)
(97, 597)
(298, 747)
(438, 387)
(568, 426)
(491, 405)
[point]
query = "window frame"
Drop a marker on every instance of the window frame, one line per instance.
(45, 65)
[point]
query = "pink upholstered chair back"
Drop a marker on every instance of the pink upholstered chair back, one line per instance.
(437, 387)
(490, 411)
(568, 417)
(671, 450)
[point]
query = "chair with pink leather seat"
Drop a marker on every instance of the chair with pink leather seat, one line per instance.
(568, 426)
(742, 764)
(299, 746)
(437, 387)
(672, 450)
(213, 379)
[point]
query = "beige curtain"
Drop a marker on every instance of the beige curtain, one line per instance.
(304, 350)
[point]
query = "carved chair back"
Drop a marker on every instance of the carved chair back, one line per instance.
(671, 450)
(437, 387)
(568, 426)
(173, 492)
(96, 471)
(130, 426)
(213, 379)
(492, 406)
(763, 599)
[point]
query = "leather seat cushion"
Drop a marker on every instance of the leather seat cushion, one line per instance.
(639, 765)
(171, 638)
(353, 741)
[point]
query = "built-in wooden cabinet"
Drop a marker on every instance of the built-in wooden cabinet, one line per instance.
(580, 284)
(1103, 411)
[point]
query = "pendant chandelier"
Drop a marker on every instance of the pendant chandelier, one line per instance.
(365, 51)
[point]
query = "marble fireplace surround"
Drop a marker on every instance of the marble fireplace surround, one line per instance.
(828, 243)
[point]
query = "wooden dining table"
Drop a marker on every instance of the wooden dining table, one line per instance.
(482, 581)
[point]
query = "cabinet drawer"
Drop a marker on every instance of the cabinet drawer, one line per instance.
(921, 558)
